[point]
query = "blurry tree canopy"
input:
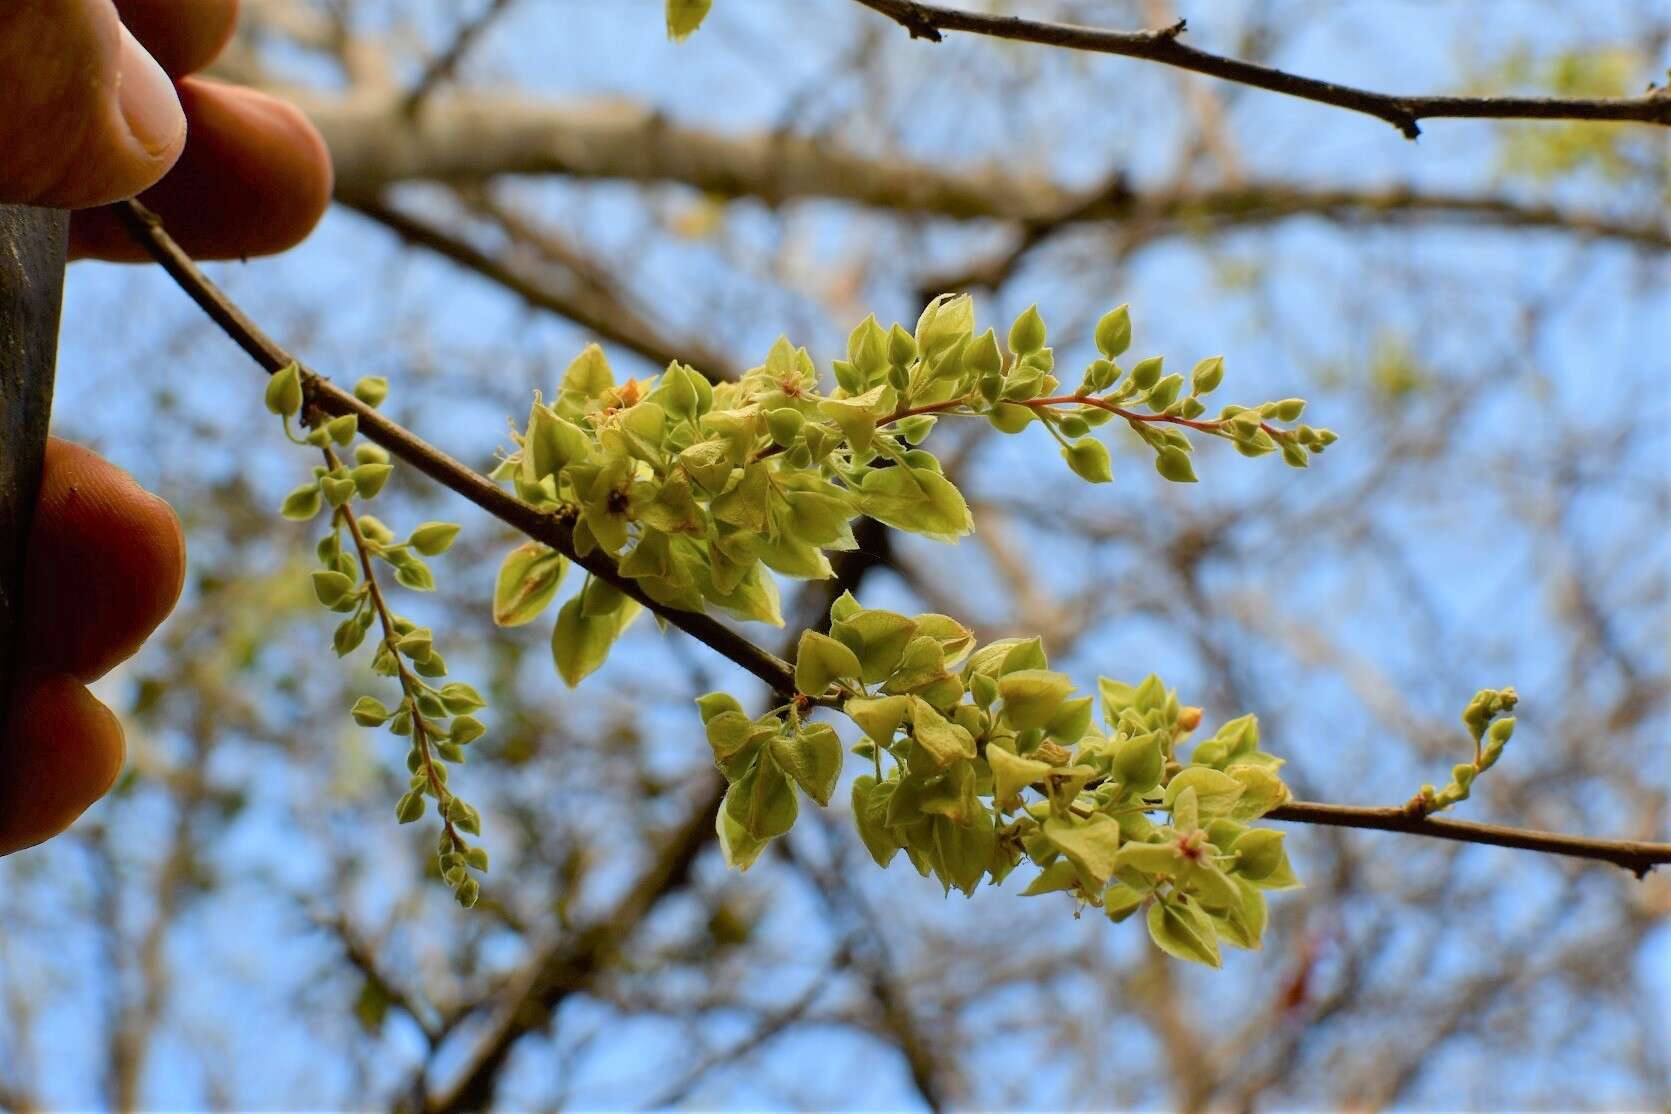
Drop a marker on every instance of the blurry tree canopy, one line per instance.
(1481, 314)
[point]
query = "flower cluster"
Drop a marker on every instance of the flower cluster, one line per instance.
(983, 757)
(435, 717)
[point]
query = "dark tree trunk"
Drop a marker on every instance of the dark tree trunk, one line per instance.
(31, 287)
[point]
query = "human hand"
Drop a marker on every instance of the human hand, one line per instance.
(92, 116)
(95, 108)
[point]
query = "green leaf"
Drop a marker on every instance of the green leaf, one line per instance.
(1262, 790)
(1216, 792)
(589, 373)
(870, 811)
(1183, 931)
(879, 717)
(1032, 696)
(762, 800)
(916, 500)
(1089, 843)
(1012, 773)
(1089, 460)
(1113, 333)
(1121, 901)
(944, 741)
(737, 847)
(820, 660)
(1243, 925)
(858, 416)
(580, 642)
(1261, 853)
(946, 320)
(812, 757)
(284, 390)
(878, 638)
(527, 581)
(1059, 876)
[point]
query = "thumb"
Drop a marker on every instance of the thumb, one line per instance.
(92, 118)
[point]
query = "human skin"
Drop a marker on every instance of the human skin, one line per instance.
(99, 104)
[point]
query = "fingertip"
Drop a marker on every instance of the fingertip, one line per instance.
(255, 179)
(90, 117)
(105, 565)
(183, 35)
(62, 750)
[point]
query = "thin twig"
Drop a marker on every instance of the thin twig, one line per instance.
(1635, 856)
(554, 530)
(928, 21)
(442, 66)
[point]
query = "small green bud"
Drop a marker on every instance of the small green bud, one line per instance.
(1260, 850)
(1165, 392)
(867, 351)
(342, 429)
(368, 711)
(1073, 426)
(784, 424)
(410, 807)
(1139, 762)
(1024, 382)
(302, 503)
(1027, 335)
(1089, 460)
(339, 491)
(331, 587)
(367, 453)
(466, 730)
(1010, 417)
(1147, 372)
(902, 346)
(284, 390)
(1206, 377)
(982, 357)
(368, 479)
(372, 390)
(1114, 332)
(432, 538)
(1100, 375)
(1289, 409)
(468, 893)
(1174, 464)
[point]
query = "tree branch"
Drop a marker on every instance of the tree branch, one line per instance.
(555, 531)
(475, 137)
(548, 529)
(591, 309)
(928, 21)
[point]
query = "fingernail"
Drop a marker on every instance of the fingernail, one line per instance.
(146, 94)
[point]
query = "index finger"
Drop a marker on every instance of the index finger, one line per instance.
(182, 35)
